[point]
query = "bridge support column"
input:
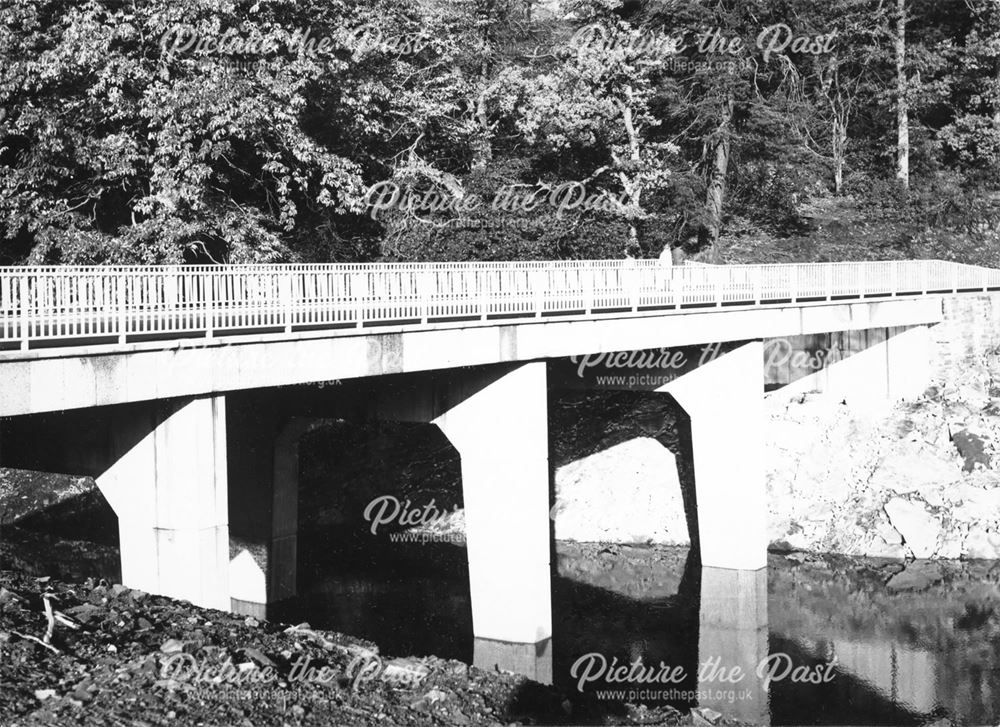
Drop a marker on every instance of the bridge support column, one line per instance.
(909, 362)
(500, 429)
(264, 472)
(724, 399)
(532, 660)
(732, 632)
(168, 486)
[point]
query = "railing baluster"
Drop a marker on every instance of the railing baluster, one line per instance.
(481, 276)
(208, 290)
(25, 313)
(122, 298)
(633, 286)
(360, 289)
(285, 286)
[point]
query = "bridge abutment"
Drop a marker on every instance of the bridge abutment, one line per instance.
(168, 486)
(868, 369)
(909, 362)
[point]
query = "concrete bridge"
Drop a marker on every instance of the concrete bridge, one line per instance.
(184, 391)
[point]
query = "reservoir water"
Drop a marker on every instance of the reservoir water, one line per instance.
(810, 640)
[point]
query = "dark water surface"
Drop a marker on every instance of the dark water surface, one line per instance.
(888, 648)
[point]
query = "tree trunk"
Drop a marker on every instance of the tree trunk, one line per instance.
(902, 102)
(839, 152)
(632, 187)
(996, 82)
(482, 143)
(716, 188)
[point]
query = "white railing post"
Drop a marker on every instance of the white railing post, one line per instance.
(954, 278)
(634, 287)
(795, 284)
(358, 287)
(122, 303)
(894, 278)
(25, 312)
(536, 278)
(285, 286)
(924, 265)
(829, 281)
(209, 305)
(423, 292)
(481, 278)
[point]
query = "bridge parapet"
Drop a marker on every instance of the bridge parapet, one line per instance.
(82, 305)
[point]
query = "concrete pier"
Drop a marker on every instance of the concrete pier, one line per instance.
(168, 486)
(724, 399)
(501, 432)
(732, 634)
(497, 419)
(264, 482)
(532, 660)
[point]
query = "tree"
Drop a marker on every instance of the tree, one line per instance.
(973, 134)
(827, 88)
(599, 98)
(902, 101)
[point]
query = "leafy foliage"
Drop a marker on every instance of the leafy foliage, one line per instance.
(253, 130)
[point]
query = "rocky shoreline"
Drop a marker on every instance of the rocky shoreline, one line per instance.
(97, 653)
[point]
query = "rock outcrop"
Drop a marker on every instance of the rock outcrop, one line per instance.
(629, 493)
(917, 482)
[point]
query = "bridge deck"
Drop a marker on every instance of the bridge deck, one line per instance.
(73, 306)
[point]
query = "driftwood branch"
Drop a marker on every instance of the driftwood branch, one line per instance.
(37, 640)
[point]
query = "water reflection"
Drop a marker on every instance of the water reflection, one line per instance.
(892, 658)
(905, 675)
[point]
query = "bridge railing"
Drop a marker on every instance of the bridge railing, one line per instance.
(52, 304)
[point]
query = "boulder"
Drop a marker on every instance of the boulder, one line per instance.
(920, 529)
(972, 448)
(912, 468)
(981, 544)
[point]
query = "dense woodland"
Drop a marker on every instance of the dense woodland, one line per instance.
(154, 131)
